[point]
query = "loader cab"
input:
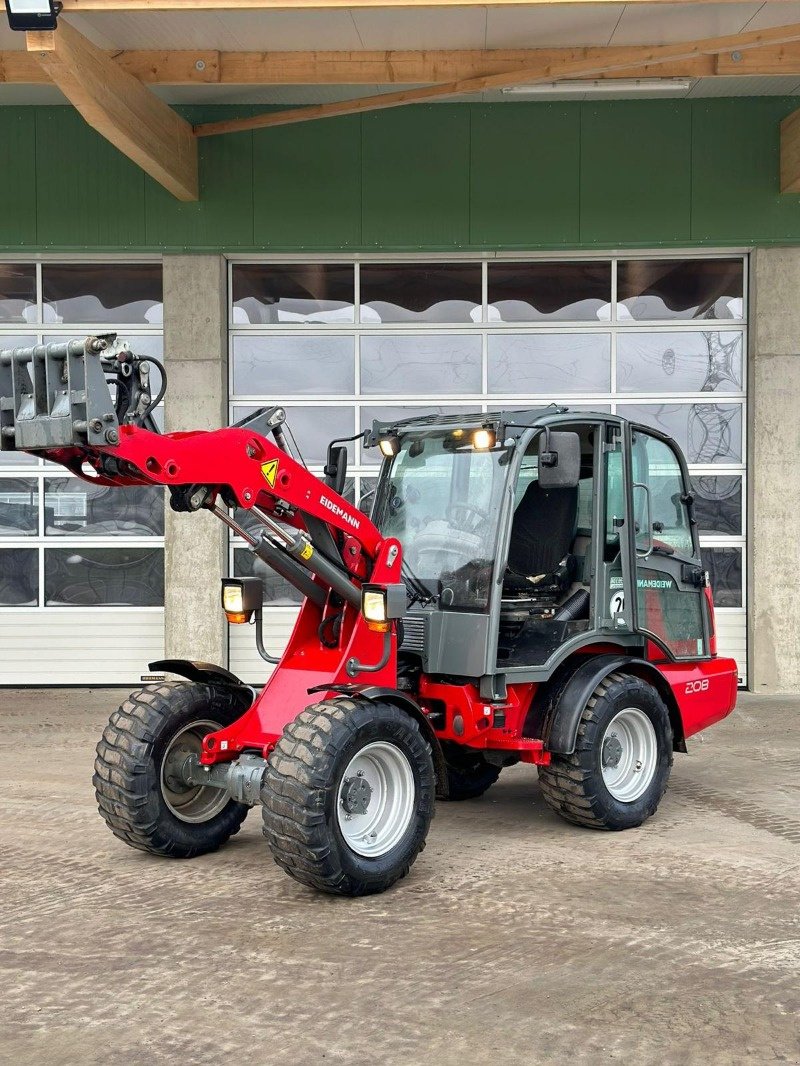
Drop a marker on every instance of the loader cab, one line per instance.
(514, 564)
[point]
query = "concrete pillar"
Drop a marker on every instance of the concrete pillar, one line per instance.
(774, 472)
(195, 351)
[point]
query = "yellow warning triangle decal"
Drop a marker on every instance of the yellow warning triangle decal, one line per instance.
(270, 472)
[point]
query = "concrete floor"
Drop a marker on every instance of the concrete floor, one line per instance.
(516, 939)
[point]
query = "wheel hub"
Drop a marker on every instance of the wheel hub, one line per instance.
(356, 794)
(612, 751)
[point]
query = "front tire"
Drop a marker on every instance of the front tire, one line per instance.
(619, 770)
(138, 793)
(348, 796)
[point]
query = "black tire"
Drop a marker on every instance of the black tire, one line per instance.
(127, 770)
(469, 774)
(573, 785)
(300, 795)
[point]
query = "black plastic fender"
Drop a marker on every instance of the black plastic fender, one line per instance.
(559, 703)
(203, 673)
(410, 706)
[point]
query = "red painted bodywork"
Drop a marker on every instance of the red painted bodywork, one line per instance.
(232, 459)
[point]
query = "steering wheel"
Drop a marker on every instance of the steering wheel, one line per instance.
(467, 516)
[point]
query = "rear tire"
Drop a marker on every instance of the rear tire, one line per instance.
(348, 796)
(619, 770)
(131, 781)
(469, 774)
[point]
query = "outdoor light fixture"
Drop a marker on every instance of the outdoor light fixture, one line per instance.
(33, 14)
(241, 598)
(483, 440)
(389, 446)
(605, 86)
(380, 604)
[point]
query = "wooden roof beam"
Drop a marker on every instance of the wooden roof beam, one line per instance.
(539, 73)
(120, 108)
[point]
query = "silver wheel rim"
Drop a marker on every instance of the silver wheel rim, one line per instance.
(629, 755)
(375, 799)
(190, 803)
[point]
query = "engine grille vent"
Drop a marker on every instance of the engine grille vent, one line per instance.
(415, 628)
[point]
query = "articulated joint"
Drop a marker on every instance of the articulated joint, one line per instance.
(240, 779)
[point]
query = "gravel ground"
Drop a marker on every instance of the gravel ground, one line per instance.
(516, 938)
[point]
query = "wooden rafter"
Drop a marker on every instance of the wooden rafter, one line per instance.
(538, 73)
(119, 107)
(790, 153)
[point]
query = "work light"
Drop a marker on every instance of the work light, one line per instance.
(241, 597)
(483, 440)
(380, 604)
(389, 446)
(32, 14)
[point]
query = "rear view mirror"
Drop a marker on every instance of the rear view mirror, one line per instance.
(559, 460)
(336, 468)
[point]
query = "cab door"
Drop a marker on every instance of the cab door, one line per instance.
(669, 605)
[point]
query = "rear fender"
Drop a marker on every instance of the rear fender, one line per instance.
(205, 674)
(407, 704)
(556, 710)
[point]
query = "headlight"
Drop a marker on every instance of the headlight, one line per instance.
(241, 597)
(380, 604)
(373, 605)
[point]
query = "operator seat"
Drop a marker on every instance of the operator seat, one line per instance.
(542, 532)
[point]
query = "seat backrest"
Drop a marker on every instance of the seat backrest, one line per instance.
(542, 530)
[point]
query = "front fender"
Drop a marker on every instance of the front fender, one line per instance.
(203, 673)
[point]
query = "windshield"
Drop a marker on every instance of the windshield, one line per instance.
(441, 499)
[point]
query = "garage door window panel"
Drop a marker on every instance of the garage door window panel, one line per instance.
(674, 362)
(17, 294)
(112, 577)
(532, 292)
(77, 508)
(439, 364)
(305, 292)
(19, 507)
(705, 432)
(401, 292)
(100, 293)
(292, 365)
(724, 566)
(542, 364)
(658, 289)
(718, 504)
(19, 577)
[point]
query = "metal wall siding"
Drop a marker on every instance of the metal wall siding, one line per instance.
(88, 194)
(62, 658)
(307, 185)
(445, 176)
(17, 177)
(735, 166)
(635, 173)
(416, 177)
(524, 170)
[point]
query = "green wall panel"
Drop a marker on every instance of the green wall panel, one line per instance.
(415, 177)
(524, 170)
(87, 192)
(18, 177)
(528, 175)
(736, 195)
(307, 185)
(223, 216)
(635, 172)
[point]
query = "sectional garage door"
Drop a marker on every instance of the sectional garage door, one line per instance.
(81, 566)
(658, 339)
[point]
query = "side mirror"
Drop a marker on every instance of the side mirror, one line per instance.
(336, 467)
(559, 460)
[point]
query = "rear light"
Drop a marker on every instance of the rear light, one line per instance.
(712, 628)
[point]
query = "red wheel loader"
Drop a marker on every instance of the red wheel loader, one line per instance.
(528, 589)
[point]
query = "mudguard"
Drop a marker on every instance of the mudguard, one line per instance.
(203, 673)
(560, 707)
(404, 701)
